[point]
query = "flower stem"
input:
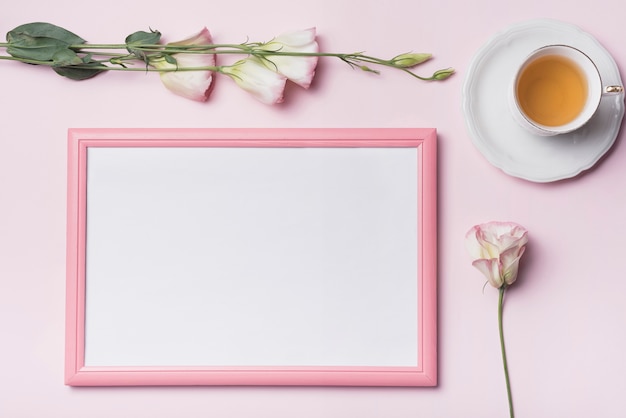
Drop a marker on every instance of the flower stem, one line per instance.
(504, 362)
(110, 52)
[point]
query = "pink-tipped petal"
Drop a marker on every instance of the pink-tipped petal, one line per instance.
(297, 38)
(201, 38)
(496, 249)
(298, 69)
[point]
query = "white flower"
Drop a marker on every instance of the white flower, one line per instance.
(299, 69)
(194, 85)
(496, 248)
(255, 78)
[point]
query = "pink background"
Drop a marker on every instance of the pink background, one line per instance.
(564, 318)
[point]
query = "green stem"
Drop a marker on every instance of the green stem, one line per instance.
(114, 68)
(103, 50)
(504, 362)
(159, 47)
(218, 49)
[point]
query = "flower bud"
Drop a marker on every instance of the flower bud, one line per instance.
(368, 69)
(410, 60)
(443, 74)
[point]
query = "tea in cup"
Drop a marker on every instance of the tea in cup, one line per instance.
(556, 90)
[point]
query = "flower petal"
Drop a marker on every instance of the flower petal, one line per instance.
(510, 263)
(297, 38)
(493, 238)
(299, 69)
(478, 246)
(201, 38)
(255, 78)
(491, 269)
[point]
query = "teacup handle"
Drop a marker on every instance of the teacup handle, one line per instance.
(613, 89)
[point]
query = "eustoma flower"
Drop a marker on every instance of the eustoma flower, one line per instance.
(496, 249)
(299, 69)
(194, 85)
(187, 67)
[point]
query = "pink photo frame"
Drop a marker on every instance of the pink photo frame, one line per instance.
(251, 257)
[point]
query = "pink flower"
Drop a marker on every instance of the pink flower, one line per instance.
(194, 85)
(301, 69)
(255, 78)
(496, 248)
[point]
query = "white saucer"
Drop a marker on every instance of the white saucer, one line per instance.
(510, 147)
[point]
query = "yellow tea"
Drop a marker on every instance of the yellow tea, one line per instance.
(552, 90)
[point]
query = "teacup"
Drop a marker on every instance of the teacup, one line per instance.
(557, 89)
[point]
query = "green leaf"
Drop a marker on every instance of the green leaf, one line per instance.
(66, 57)
(82, 73)
(45, 30)
(40, 41)
(76, 67)
(170, 59)
(142, 38)
(77, 74)
(40, 49)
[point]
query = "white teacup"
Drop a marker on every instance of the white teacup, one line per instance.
(556, 90)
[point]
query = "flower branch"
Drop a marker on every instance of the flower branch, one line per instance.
(187, 67)
(496, 249)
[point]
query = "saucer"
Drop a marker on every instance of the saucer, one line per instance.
(510, 147)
